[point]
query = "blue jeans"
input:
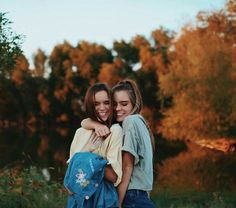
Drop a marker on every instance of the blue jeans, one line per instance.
(137, 199)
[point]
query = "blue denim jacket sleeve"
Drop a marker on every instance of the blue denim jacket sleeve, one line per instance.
(85, 178)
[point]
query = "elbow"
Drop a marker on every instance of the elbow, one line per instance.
(82, 123)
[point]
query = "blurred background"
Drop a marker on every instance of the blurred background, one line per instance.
(186, 73)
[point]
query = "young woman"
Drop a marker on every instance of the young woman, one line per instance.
(98, 106)
(138, 146)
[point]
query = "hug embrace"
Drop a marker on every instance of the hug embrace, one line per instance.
(111, 155)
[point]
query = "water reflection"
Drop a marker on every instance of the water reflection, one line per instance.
(45, 148)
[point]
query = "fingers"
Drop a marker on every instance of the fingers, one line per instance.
(102, 132)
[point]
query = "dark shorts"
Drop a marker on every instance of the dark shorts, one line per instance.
(137, 199)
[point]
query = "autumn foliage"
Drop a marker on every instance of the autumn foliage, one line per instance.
(187, 80)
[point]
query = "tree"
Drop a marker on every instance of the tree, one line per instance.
(9, 53)
(39, 63)
(201, 80)
(9, 46)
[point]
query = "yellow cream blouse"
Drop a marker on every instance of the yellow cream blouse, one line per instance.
(109, 148)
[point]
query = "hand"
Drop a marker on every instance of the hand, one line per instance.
(69, 192)
(102, 130)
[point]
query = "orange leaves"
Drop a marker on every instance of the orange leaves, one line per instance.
(109, 73)
(201, 81)
(21, 68)
(60, 94)
(44, 104)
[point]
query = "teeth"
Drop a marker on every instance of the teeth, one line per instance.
(102, 114)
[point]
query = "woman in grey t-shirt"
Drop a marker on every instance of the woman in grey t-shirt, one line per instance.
(138, 146)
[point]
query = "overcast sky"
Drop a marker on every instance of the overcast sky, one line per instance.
(45, 23)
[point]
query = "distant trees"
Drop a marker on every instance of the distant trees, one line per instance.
(9, 46)
(188, 82)
(10, 52)
(202, 79)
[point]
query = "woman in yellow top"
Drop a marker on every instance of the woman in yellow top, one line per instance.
(98, 106)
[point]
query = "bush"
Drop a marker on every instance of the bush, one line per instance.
(28, 188)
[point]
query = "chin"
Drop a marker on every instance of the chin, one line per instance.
(104, 119)
(119, 119)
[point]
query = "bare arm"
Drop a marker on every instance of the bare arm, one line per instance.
(100, 129)
(127, 167)
(110, 174)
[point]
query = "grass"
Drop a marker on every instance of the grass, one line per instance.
(193, 199)
(28, 188)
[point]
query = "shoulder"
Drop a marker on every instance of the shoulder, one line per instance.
(132, 120)
(115, 127)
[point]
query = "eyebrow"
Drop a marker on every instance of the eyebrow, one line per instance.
(124, 101)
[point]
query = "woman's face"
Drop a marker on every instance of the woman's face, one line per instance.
(102, 105)
(123, 105)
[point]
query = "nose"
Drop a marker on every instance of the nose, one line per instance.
(102, 106)
(118, 107)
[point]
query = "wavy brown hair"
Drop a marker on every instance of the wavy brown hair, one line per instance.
(133, 91)
(89, 102)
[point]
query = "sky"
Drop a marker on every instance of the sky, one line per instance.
(46, 23)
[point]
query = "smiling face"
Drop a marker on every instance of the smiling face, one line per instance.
(102, 105)
(122, 104)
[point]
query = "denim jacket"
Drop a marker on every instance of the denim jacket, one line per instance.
(85, 179)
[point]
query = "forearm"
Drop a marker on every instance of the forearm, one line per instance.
(123, 186)
(100, 129)
(110, 174)
(89, 124)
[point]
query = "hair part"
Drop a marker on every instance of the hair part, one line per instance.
(89, 102)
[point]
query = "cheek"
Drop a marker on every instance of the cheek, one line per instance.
(129, 109)
(96, 108)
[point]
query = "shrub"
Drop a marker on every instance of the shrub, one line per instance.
(28, 188)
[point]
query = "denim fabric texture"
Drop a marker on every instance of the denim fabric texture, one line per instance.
(85, 178)
(137, 199)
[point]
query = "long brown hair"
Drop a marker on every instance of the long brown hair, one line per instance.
(89, 102)
(133, 91)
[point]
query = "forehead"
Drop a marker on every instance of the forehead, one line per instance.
(101, 95)
(122, 95)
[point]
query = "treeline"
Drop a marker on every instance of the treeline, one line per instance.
(188, 81)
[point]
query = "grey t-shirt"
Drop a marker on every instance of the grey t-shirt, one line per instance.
(137, 141)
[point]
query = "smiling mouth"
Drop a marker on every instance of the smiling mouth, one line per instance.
(102, 114)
